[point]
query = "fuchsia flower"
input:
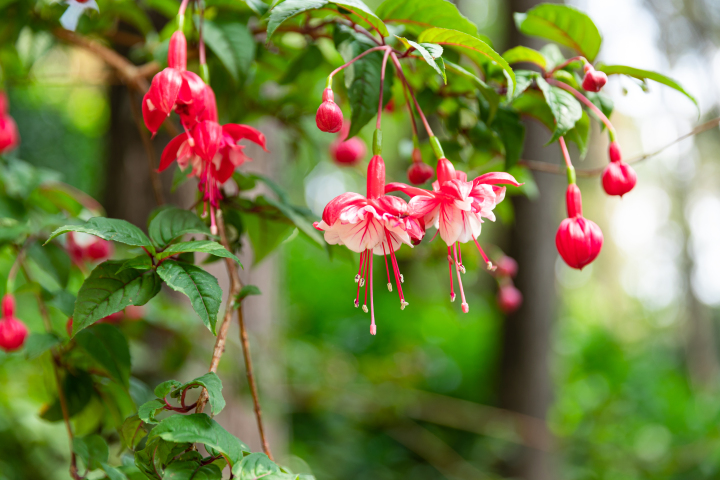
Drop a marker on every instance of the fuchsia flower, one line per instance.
(509, 298)
(419, 172)
(578, 239)
(9, 136)
(329, 117)
(87, 248)
(618, 178)
(13, 332)
(378, 224)
(456, 208)
(594, 80)
(347, 151)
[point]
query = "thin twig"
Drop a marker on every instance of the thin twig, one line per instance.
(149, 149)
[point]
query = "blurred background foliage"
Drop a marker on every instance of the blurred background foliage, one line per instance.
(633, 360)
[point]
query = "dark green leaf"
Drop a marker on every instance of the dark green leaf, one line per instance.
(109, 229)
(148, 410)
(429, 52)
(107, 291)
(63, 301)
(39, 343)
(363, 83)
(645, 75)
(192, 470)
(131, 432)
(532, 103)
(54, 263)
(156, 455)
(511, 130)
(205, 246)
(233, 44)
(92, 450)
(113, 473)
(78, 389)
(563, 106)
(255, 465)
(562, 24)
(174, 222)
(477, 50)
(164, 389)
(141, 262)
(199, 428)
(246, 291)
(212, 383)
(417, 15)
(310, 59)
(109, 347)
(522, 54)
(200, 287)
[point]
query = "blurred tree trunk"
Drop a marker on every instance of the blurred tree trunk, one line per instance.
(525, 385)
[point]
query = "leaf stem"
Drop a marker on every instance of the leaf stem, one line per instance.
(370, 50)
(382, 87)
(567, 62)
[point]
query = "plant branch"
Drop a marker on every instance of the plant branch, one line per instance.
(399, 69)
(587, 103)
(149, 149)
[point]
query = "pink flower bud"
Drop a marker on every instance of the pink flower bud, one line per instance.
(348, 152)
(329, 117)
(420, 172)
(509, 299)
(578, 239)
(13, 333)
(9, 136)
(3, 104)
(8, 306)
(594, 80)
(506, 267)
(614, 152)
(618, 178)
(376, 178)
(177, 51)
(99, 249)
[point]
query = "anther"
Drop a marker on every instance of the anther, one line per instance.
(491, 267)
(403, 304)
(357, 304)
(389, 287)
(357, 278)
(452, 297)
(362, 282)
(365, 309)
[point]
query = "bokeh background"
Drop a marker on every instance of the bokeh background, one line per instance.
(606, 373)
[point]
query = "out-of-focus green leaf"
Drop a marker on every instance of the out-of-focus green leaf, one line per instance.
(487, 92)
(417, 15)
(109, 229)
(522, 54)
(78, 389)
(233, 44)
(580, 134)
(39, 343)
(131, 432)
(362, 79)
(246, 291)
(109, 347)
(511, 131)
(93, 450)
(645, 75)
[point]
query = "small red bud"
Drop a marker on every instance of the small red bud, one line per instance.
(177, 51)
(618, 178)
(416, 155)
(9, 136)
(8, 306)
(348, 152)
(594, 80)
(509, 299)
(506, 267)
(578, 240)
(329, 117)
(614, 152)
(419, 173)
(13, 333)
(68, 326)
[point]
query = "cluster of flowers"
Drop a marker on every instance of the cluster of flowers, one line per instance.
(13, 331)
(209, 149)
(9, 136)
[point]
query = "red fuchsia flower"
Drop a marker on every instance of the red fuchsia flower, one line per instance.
(92, 249)
(329, 117)
(456, 208)
(506, 267)
(594, 80)
(578, 239)
(212, 151)
(76, 8)
(160, 99)
(618, 178)
(9, 136)
(378, 224)
(509, 298)
(13, 332)
(347, 151)
(419, 172)
(99, 249)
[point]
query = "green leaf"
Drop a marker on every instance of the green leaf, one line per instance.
(192, 470)
(113, 473)
(254, 466)
(525, 78)
(309, 60)
(109, 229)
(522, 54)
(156, 455)
(532, 103)
(174, 222)
(362, 80)
(561, 24)
(141, 262)
(107, 291)
(54, 262)
(165, 388)
(78, 389)
(511, 130)
(199, 428)
(301, 222)
(233, 44)
(474, 48)
(563, 106)
(200, 287)
(206, 246)
(39, 343)
(487, 92)
(131, 432)
(63, 301)
(430, 52)
(645, 75)
(211, 382)
(109, 347)
(265, 234)
(148, 410)
(603, 102)
(580, 134)
(246, 291)
(93, 450)
(417, 15)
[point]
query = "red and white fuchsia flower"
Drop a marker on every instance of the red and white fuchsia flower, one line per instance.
(378, 224)
(456, 208)
(578, 239)
(13, 332)
(618, 178)
(87, 248)
(9, 136)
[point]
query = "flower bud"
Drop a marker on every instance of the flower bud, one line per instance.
(177, 51)
(99, 249)
(509, 298)
(9, 136)
(578, 239)
(13, 333)
(594, 80)
(329, 117)
(3, 103)
(419, 173)
(8, 306)
(614, 152)
(618, 178)
(506, 267)
(348, 152)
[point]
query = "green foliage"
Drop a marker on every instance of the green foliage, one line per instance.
(644, 76)
(417, 15)
(362, 80)
(172, 222)
(233, 44)
(521, 54)
(109, 348)
(566, 110)
(109, 229)
(205, 246)
(430, 53)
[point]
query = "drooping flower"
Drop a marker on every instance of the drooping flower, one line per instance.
(506, 267)
(374, 224)
(509, 298)
(329, 117)
(594, 80)
(456, 208)
(76, 8)
(618, 178)
(578, 239)
(347, 151)
(13, 332)
(213, 153)
(9, 136)
(82, 247)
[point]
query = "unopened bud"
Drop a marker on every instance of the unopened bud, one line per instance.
(329, 117)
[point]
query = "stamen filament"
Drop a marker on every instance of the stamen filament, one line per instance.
(365, 282)
(373, 327)
(387, 270)
(452, 290)
(490, 265)
(465, 307)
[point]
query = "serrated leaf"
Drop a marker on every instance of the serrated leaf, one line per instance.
(232, 43)
(563, 106)
(109, 229)
(174, 222)
(141, 262)
(200, 287)
(645, 74)
(255, 465)
(205, 246)
(39, 343)
(107, 291)
(165, 388)
(78, 389)
(417, 15)
(562, 24)
(246, 291)
(131, 432)
(522, 54)
(148, 410)
(430, 53)
(477, 50)
(487, 92)
(211, 382)
(363, 84)
(93, 450)
(200, 428)
(109, 347)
